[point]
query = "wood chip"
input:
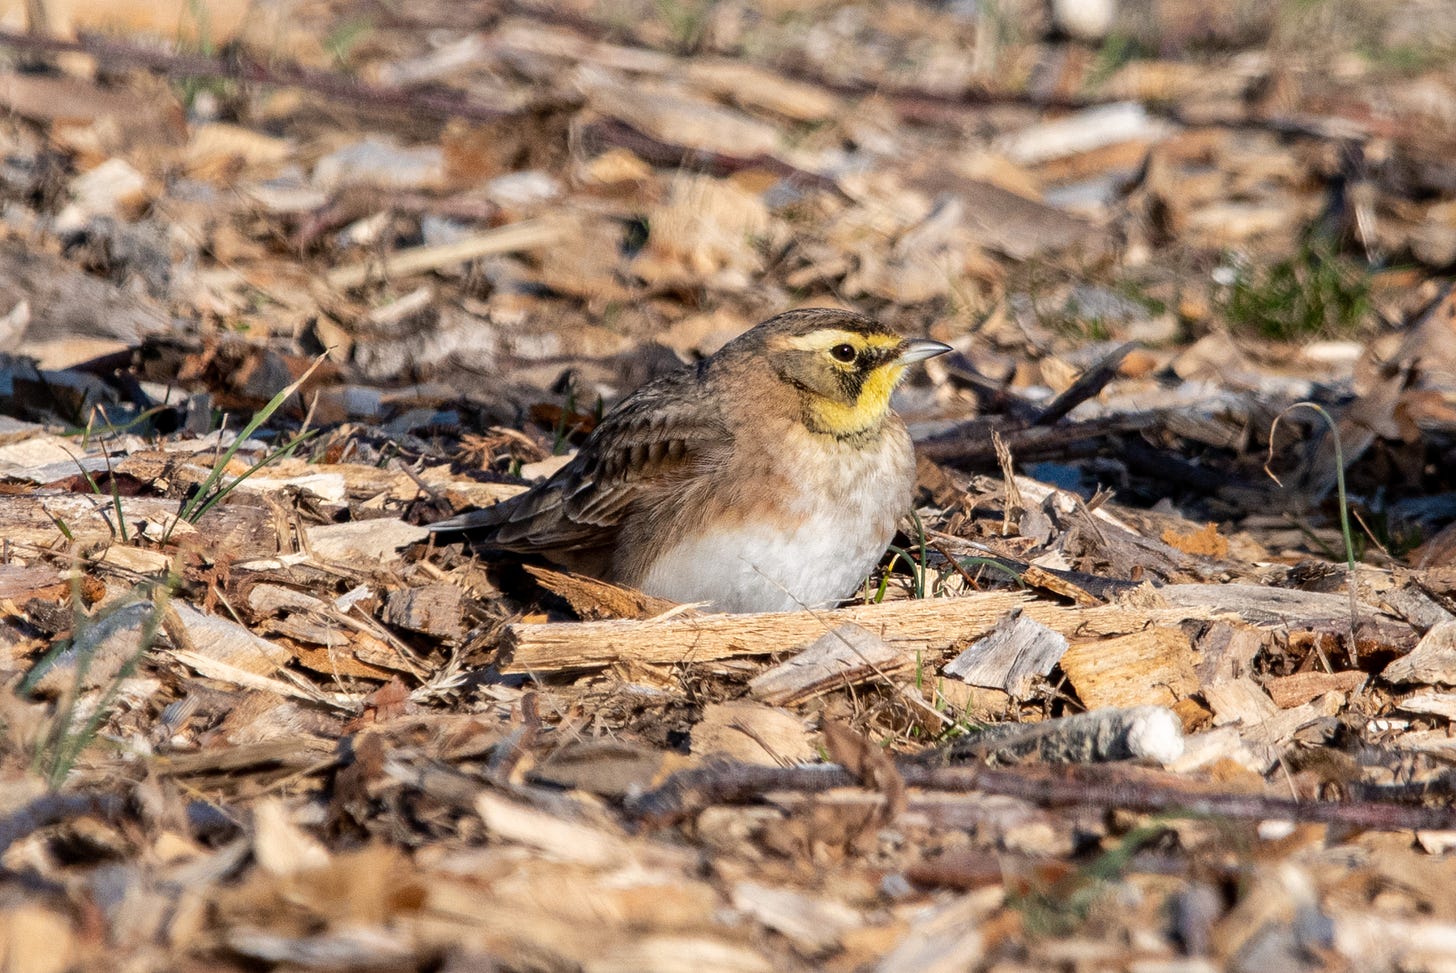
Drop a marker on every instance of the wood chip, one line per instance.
(405, 263)
(363, 541)
(594, 600)
(845, 656)
(1017, 651)
(1431, 704)
(114, 639)
(222, 640)
(943, 938)
(1301, 687)
(752, 733)
(1432, 661)
(21, 583)
(813, 924)
(433, 609)
(1153, 667)
(280, 846)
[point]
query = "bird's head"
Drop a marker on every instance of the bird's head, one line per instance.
(842, 365)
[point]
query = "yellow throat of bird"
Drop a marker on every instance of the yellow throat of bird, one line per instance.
(866, 414)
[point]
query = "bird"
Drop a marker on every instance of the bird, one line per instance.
(768, 476)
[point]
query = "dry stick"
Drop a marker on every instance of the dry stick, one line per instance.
(1013, 507)
(969, 443)
(960, 568)
(1089, 383)
(336, 87)
(529, 235)
(685, 793)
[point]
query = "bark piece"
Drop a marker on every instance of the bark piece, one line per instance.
(705, 229)
(845, 656)
(1227, 650)
(1433, 661)
(1018, 227)
(607, 767)
(99, 651)
(944, 939)
(1017, 650)
(222, 640)
(593, 599)
(363, 541)
(1433, 704)
(814, 925)
(1264, 727)
(1269, 607)
(671, 116)
(1239, 701)
(65, 302)
(754, 88)
(566, 840)
(1086, 130)
(433, 610)
(281, 847)
(1301, 687)
(20, 583)
(1138, 732)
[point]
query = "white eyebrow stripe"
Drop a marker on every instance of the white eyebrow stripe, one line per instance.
(822, 340)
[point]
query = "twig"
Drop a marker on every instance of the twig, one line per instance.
(335, 87)
(1088, 384)
(529, 235)
(685, 793)
(616, 133)
(970, 443)
(1014, 506)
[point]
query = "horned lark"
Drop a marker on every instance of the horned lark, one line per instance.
(767, 477)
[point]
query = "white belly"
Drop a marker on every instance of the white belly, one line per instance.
(752, 569)
(824, 545)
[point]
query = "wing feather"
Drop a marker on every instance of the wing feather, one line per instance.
(662, 433)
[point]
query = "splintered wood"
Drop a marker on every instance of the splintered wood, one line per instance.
(1016, 651)
(844, 656)
(908, 626)
(912, 626)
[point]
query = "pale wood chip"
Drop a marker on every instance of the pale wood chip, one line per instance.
(751, 732)
(1433, 661)
(1155, 666)
(1017, 650)
(844, 656)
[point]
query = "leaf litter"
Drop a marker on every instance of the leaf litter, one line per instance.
(1118, 697)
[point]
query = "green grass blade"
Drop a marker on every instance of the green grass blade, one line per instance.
(190, 510)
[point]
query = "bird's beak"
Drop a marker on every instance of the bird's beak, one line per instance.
(920, 349)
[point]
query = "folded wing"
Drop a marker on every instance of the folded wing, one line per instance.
(657, 437)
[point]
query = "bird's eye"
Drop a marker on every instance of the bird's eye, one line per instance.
(843, 353)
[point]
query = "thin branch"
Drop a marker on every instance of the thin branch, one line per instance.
(685, 793)
(115, 54)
